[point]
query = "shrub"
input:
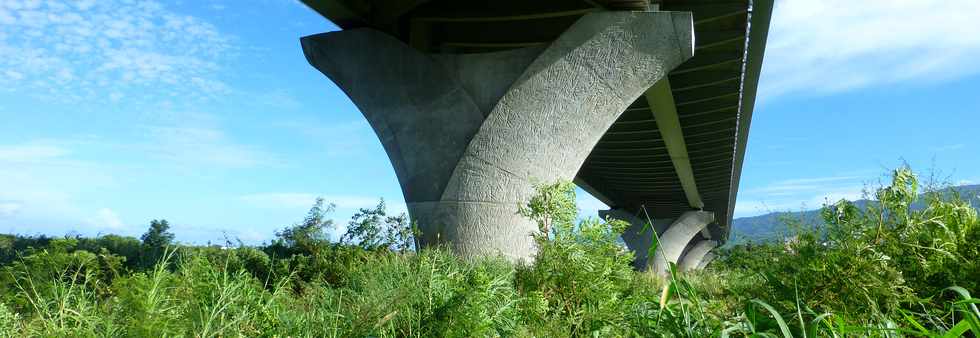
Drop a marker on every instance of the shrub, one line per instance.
(870, 270)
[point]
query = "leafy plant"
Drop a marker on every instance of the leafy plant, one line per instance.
(884, 269)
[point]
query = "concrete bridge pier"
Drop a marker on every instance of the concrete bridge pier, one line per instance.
(694, 256)
(638, 237)
(676, 238)
(704, 261)
(467, 134)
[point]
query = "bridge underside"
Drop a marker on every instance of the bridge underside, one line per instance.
(677, 146)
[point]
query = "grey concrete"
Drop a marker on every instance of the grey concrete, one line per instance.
(468, 134)
(661, 101)
(638, 237)
(695, 255)
(707, 259)
(676, 238)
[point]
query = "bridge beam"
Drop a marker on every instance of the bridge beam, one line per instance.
(468, 133)
(692, 259)
(675, 239)
(661, 101)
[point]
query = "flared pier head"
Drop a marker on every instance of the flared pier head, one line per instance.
(469, 134)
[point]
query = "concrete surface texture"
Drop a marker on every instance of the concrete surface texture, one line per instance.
(707, 259)
(692, 259)
(469, 135)
(675, 239)
(638, 236)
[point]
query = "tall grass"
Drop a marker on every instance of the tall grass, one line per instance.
(868, 272)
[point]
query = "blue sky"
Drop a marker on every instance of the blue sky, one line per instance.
(205, 113)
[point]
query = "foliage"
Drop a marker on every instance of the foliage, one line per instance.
(581, 275)
(310, 235)
(884, 269)
(155, 241)
(159, 235)
(875, 265)
(372, 229)
(553, 204)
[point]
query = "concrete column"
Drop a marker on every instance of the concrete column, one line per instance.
(696, 254)
(638, 236)
(707, 259)
(467, 134)
(675, 239)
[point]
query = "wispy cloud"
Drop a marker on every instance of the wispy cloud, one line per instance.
(279, 99)
(795, 186)
(53, 181)
(799, 194)
(197, 146)
(39, 182)
(336, 139)
(106, 218)
(829, 46)
(30, 152)
(9, 208)
(108, 50)
(948, 147)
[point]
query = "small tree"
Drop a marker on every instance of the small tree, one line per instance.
(158, 236)
(553, 205)
(310, 235)
(373, 229)
(155, 241)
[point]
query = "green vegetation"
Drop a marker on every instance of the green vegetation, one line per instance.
(884, 270)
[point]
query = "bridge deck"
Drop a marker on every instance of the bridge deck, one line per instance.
(713, 92)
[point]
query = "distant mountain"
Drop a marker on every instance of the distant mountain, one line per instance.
(773, 225)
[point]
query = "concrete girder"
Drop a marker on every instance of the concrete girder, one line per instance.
(696, 254)
(661, 101)
(675, 239)
(759, 32)
(468, 133)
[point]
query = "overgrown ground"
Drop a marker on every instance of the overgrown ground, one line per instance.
(886, 270)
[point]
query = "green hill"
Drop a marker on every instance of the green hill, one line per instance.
(773, 225)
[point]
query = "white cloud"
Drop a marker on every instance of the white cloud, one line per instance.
(948, 147)
(195, 146)
(39, 183)
(94, 50)
(9, 208)
(825, 46)
(29, 152)
(799, 194)
(253, 236)
(48, 184)
(336, 139)
(801, 184)
(279, 99)
(106, 218)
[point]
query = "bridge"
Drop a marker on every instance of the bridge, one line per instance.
(644, 104)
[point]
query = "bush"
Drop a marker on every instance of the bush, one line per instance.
(869, 271)
(888, 258)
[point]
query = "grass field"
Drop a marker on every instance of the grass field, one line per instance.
(886, 270)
